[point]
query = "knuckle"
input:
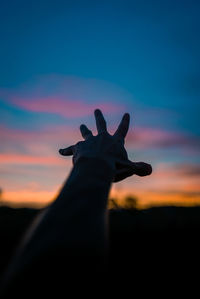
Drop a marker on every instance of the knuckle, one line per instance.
(103, 134)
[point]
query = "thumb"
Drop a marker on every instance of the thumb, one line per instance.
(141, 168)
(138, 168)
(67, 151)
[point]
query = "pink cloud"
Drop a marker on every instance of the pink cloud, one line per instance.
(183, 170)
(39, 140)
(64, 107)
(29, 159)
(48, 140)
(167, 178)
(175, 178)
(158, 138)
(45, 134)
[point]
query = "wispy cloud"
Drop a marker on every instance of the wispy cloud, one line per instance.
(48, 140)
(168, 185)
(174, 178)
(179, 169)
(44, 142)
(29, 159)
(64, 107)
(158, 138)
(66, 96)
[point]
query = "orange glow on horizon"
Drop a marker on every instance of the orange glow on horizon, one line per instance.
(30, 159)
(42, 198)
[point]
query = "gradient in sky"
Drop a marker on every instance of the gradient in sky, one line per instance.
(60, 60)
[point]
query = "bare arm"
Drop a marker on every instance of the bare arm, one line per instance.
(74, 227)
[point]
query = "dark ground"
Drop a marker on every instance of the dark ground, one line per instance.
(141, 241)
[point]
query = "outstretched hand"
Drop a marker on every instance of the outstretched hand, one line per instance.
(108, 147)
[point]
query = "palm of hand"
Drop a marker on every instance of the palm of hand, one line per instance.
(108, 147)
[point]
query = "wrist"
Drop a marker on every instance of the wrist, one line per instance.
(94, 166)
(87, 158)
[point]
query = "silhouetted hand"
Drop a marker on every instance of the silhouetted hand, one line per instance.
(107, 147)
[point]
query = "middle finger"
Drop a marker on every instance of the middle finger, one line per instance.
(100, 121)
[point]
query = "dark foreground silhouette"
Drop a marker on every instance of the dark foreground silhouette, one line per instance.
(144, 244)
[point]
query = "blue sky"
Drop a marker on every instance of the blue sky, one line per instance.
(149, 48)
(140, 56)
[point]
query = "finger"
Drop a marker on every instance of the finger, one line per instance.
(141, 168)
(138, 168)
(85, 132)
(122, 174)
(100, 121)
(123, 126)
(67, 151)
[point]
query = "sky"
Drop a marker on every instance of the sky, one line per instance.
(59, 60)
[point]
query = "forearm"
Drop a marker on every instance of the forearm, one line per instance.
(75, 224)
(79, 212)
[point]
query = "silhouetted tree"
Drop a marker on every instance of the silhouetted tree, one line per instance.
(130, 202)
(112, 204)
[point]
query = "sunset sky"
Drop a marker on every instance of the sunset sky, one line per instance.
(59, 60)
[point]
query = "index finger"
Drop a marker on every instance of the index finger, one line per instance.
(123, 126)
